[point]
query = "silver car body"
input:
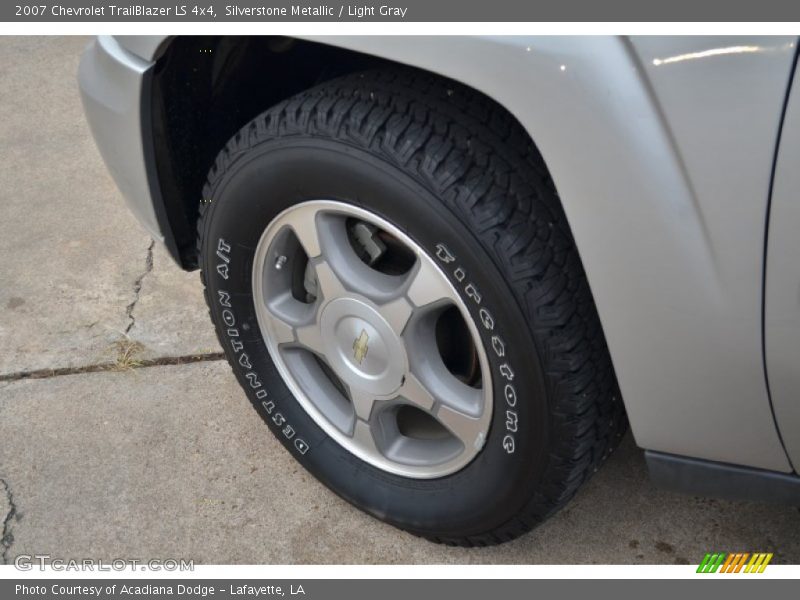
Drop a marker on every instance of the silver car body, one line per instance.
(662, 151)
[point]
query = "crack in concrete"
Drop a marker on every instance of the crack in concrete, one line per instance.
(8, 538)
(113, 366)
(137, 286)
(127, 348)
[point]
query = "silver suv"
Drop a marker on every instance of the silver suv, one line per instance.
(448, 272)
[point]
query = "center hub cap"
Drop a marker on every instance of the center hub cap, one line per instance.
(361, 347)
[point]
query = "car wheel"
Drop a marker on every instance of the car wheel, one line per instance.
(396, 287)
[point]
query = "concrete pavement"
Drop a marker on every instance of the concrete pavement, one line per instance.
(171, 461)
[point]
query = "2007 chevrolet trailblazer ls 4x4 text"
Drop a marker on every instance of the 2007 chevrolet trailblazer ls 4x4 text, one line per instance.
(449, 271)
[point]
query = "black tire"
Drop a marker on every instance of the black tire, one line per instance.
(447, 166)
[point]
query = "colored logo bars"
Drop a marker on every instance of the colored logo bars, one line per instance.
(735, 562)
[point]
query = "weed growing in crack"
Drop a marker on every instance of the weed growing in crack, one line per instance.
(127, 350)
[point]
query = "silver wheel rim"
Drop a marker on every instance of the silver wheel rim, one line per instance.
(360, 348)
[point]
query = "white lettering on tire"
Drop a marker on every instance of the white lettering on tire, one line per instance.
(446, 257)
(242, 358)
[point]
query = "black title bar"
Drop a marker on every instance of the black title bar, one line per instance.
(402, 11)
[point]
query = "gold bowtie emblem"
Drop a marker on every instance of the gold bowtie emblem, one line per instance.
(360, 346)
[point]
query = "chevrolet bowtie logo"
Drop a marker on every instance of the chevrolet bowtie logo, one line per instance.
(360, 346)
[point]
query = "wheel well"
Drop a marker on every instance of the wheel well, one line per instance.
(203, 89)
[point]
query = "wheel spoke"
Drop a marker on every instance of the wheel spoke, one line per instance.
(286, 315)
(328, 283)
(433, 376)
(362, 435)
(427, 284)
(304, 224)
(397, 313)
(349, 268)
(284, 332)
(456, 395)
(467, 429)
(362, 403)
(310, 337)
(416, 393)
